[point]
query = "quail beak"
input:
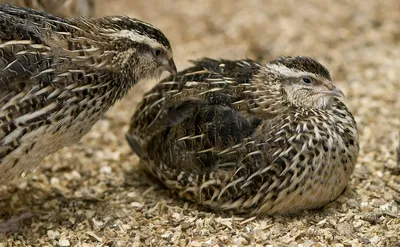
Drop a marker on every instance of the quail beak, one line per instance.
(336, 92)
(171, 67)
(333, 90)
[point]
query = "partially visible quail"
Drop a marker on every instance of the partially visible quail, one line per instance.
(59, 76)
(63, 8)
(249, 138)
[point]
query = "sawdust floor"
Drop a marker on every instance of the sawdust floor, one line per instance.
(95, 194)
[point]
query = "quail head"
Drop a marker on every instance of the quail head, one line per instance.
(248, 138)
(59, 76)
(63, 8)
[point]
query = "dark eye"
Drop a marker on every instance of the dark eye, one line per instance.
(157, 52)
(306, 80)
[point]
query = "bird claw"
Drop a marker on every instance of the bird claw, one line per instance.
(11, 225)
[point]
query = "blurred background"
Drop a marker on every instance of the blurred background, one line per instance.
(98, 187)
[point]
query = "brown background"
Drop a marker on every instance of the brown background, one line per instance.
(95, 193)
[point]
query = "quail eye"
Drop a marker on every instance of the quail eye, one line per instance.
(157, 52)
(306, 80)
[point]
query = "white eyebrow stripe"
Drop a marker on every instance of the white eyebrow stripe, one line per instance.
(136, 37)
(116, 18)
(282, 69)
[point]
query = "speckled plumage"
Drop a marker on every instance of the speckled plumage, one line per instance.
(246, 137)
(58, 76)
(63, 8)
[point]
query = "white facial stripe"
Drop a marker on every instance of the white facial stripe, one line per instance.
(288, 72)
(116, 18)
(134, 36)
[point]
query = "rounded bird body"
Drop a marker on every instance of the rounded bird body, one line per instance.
(251, 138)
(58, 77)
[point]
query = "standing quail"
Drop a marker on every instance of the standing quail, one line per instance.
(63, 8)
(248, 138)
(59, 76)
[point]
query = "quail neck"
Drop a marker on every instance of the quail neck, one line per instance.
(58, 76)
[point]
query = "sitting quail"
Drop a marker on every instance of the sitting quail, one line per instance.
(63, 8)
(59, 76)
(248, 138)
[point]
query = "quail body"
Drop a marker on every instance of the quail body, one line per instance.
(59, 76)
(248, 138)
(63, 8)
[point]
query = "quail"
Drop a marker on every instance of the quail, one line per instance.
(63, 8)
(248, 138)
(59, 76)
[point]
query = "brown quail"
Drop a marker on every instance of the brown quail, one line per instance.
(248, 138)
(59, 76)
